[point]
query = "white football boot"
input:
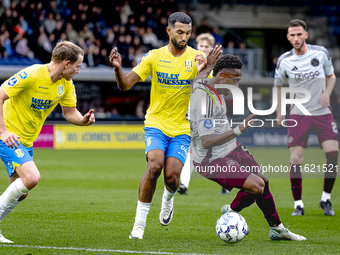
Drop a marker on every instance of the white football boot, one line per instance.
(284, 234)
(4, 240)
(167, 211)
(137, 232)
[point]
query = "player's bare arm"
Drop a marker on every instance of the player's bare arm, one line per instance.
(209, 141)
(73, 116)
(211, 60)
(279, 115)
(8, 138)
(325, 96)
(124, 82)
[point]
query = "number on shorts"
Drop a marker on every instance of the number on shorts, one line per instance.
(245, 149)
(335, 129)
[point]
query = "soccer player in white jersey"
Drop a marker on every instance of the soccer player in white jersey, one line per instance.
(167, 133)
(309, 67)
(26, 99)
(217, 155)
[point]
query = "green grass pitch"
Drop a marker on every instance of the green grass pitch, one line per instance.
(87, 200)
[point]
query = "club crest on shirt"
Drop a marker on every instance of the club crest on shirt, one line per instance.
(60, 90)
(148, 142)
(19, 153)
(11, 82)
(188, 64)
(314, 62)
(208, 124)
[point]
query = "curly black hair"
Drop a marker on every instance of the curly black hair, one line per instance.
(180, 17)
(227, 62)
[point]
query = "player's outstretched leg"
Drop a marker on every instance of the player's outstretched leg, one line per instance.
(281, 233)
(167, 209)
(296, 185)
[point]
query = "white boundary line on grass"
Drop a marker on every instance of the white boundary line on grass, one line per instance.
(97, 250)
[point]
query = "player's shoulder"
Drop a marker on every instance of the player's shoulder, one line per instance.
(319, 49)
(31, 71)
(285, 56)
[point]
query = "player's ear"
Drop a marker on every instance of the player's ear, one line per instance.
(168, 30)
(67, 63)
(287, 36)
(306, 35)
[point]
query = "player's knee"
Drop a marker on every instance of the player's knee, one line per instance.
(172, 182)
(155, 169)
(33, 180)
(258, 187)
(296, 159)
(23, 197)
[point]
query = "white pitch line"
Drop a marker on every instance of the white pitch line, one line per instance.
(97, 250)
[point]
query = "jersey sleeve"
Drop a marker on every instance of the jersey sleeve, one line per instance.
(144, 67)
(327, 64)
(70, 98)
(280, 76)
(17, 83)
(203, 117)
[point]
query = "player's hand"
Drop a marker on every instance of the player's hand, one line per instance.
(214, 54)
(115, 58)
(10, 139)
(89, 118)
(200, 62)
(280, 118)
(249, 121)
(324, 99)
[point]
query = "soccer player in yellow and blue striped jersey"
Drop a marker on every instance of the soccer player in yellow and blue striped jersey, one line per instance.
(26, 99)
(167, 133)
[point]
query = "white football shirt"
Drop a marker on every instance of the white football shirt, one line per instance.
(308, 71)
(214, 121)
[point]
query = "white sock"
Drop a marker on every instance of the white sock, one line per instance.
(298, 203)
(278, 226)
(13, 192)
(9, 210)
(141, 213)
(167, 195)
(187, 171)
(325, 196)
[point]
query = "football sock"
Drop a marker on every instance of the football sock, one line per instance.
(13, 192)
(167, 195)
(141, 213)
(296, 181)
(325, 196)
(9, 210)
(330, 175)
(187, 171)
(242, 200)
(267, 205)
(298, 203)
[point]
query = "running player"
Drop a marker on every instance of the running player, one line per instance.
(219, 157)
(309, 67)
(26, 99)
(167, 133)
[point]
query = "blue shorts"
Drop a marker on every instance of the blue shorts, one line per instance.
(176, 147)
(13, 157)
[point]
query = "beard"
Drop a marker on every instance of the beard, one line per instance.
(177, 45)
(302, 44)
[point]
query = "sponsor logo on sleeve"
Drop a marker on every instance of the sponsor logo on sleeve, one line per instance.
(23, 75)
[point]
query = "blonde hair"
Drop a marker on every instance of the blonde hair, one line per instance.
(206, 37)
(66, 50)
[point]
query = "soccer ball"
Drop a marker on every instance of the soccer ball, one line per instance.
(231, 227)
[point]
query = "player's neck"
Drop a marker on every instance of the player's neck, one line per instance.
(302, 50)
(54, 71)
(175, 52)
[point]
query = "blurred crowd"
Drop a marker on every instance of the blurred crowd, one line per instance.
(30, 29)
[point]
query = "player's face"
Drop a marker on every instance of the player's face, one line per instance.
(297, 37)
(72, 69)
(179, 35)
(204, 46)
(230, 77)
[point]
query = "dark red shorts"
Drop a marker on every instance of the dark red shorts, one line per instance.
(232, 170)
(323, 126)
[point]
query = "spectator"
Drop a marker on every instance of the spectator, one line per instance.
(86, 33)
(72, 34)
(218, 38)
(150, 39)
(50, 23)
(22, 49)
(125, 12)
(204, 27)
